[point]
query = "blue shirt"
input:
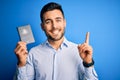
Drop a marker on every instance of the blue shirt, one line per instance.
(46, 63)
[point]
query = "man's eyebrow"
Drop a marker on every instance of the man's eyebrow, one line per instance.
(47, 20)
(55, 18)
(58, 18)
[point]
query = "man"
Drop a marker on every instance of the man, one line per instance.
(57, 58)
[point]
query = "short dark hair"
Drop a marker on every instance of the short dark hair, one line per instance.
(50, 6)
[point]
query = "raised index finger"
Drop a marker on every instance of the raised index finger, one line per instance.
(87, 38)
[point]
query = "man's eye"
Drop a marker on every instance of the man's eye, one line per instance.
(58, 20)
(47, 22)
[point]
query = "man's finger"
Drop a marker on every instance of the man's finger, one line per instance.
(87, 38)
(22, 43)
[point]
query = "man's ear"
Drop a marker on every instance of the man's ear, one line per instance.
(64, 23)
(42, 26)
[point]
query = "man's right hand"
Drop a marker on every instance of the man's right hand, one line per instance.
(21, 53)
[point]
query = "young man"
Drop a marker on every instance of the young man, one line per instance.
(57, 58)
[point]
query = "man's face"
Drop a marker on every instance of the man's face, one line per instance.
(54, 24)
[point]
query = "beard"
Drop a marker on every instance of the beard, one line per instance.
(58, 37)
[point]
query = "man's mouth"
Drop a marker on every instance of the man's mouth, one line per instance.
(55, 32)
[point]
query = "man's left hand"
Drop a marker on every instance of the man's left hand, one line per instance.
(85, 50)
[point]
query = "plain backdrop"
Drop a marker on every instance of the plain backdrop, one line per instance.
(100, 17)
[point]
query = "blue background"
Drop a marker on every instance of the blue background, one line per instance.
(100, 17)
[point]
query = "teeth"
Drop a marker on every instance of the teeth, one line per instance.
(55, 32)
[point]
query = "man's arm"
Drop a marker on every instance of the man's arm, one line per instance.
(86, 73)
(85, 52)
(25, 70)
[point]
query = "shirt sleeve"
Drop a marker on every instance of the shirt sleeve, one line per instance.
(26, 72)
(88, 73)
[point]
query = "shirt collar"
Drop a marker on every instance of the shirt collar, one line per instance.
(65, 43)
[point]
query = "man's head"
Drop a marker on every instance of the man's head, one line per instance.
(53, 22)
(49, 7)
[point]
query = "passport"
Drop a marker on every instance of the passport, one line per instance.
(26, 34)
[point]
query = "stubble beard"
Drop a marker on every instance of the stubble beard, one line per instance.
(49, 37)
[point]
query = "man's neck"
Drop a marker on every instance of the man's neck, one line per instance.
(56, 44)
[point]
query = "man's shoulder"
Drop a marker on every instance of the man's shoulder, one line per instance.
(36, 48)
(70, 43)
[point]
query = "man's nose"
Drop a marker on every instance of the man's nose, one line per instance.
(54, 24)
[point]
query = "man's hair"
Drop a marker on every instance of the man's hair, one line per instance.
(49, 7)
